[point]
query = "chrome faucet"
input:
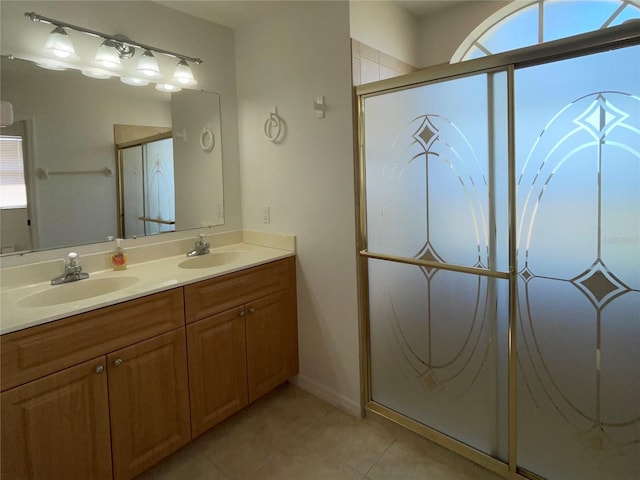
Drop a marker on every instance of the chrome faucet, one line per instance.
(201, 247)
(72, 271)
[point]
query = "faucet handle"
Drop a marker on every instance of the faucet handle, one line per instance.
(202, 240)
(72, 264)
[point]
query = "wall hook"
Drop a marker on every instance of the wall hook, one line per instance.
(318, 106)
(207, 139)
(273, 127)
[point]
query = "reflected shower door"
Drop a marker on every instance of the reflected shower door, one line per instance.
(437, 241)
(578, 230)
(132, 191)
(159, 191)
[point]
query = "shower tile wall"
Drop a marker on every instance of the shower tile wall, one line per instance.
(371, 65)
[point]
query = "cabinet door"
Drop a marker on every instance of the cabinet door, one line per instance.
(272, 342)
(217, 368)
(149, 402)
(57, 427)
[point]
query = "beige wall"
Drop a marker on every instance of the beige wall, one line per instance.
(289, 57)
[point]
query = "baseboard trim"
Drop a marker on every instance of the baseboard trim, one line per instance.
(328, 395)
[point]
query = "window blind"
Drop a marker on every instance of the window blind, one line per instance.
(13, 191)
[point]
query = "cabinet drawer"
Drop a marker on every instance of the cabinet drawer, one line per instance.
(204, 299)
(38, 351)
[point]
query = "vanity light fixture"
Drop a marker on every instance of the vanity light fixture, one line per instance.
(59, 43)
(113, 49)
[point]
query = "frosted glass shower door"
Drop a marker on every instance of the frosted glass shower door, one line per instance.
(578, 230)
(436, 188)
(159, 190)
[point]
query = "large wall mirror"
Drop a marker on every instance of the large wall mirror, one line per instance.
(82, 178)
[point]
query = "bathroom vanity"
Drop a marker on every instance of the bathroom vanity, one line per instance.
(109, 392)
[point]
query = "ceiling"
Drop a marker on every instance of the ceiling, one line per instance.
(237, 14)
(420, 8)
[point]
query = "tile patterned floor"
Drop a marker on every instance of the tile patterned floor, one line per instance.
(290, 434)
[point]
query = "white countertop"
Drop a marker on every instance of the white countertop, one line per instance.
(146, 278)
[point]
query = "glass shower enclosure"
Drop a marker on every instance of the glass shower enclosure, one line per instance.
(500, 256)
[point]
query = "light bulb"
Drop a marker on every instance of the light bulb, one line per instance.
(167, 87)
(147, 65)
(107, 56)
(96, 73)
(51, 65)
(59, 44)
(183, 74)
(136, 82)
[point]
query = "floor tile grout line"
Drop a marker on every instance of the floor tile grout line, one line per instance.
(272, 450)
(262, 464)
(395, 439)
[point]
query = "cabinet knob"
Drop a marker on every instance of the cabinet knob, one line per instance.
(100, 369)
(252, 310)
(242, 313)
(117, 362)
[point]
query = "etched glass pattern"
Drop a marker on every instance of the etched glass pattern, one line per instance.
(578, 230)
(436, 185)
(159, 192)
(436, 190)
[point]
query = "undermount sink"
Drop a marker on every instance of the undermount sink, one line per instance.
(213, 259)
(75, 291)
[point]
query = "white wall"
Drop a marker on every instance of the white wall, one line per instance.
(13, 230)
(441, 33)
(292, 55)
(198, 202)
(387, 27)
(153, 24)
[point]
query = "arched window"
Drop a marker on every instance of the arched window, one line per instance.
(525, 23)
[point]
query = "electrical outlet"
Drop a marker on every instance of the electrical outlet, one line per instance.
(266, 214)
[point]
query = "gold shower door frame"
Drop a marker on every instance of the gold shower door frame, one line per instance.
(593, 42)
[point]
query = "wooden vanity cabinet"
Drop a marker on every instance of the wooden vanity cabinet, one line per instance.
(57, 427)
(64, 421)
(108, 393)
(242, 337)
